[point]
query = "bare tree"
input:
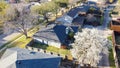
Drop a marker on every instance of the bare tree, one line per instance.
(22, 21)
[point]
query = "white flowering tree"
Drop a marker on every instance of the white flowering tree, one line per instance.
(89, 45)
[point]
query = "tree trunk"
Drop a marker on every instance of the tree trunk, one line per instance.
(45, 17)
(25, 33)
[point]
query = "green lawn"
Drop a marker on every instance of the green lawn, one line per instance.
(59, 50)
(22, 41)
(53, 49)
(11, 40)
(111, 59)
(38, 45)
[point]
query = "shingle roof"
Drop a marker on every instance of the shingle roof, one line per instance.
(73, 12)
(30, 59)
(65, 20)
(42, 1)
(91, 2)
(79, 21)
(56, 34)
(47, 34)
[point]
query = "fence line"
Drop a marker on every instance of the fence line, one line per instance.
(44, 51)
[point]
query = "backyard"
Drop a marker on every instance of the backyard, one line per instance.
(60, 51)
(19, 41)
(111, 57)
(94, 17)
(23, 41)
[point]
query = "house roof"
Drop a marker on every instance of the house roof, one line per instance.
(42, 1)
(65, 20)
(55, 34)
(78, 21)
(73, 1)
(74, 11)
(91, 3)
(47, 34)
(30, 59)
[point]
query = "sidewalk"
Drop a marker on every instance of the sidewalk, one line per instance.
(6, 38)
(104, 62)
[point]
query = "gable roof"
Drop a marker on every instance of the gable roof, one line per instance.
(30, 59)
(74, 11)
(65, 20)
(78, 21)
(55, 34)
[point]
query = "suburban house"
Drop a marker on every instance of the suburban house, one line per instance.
(74, 13)
(23, 58)
(12, 1)
(85, 13)
(41, 1)
(61, 33)
(55, 35)
(99, 1)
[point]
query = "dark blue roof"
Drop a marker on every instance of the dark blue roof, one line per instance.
(79, 20)
(39, 63)
(55, 34)
(73, 12)
(31, 59)
(60, 31)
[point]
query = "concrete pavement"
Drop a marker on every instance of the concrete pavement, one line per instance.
(104, 62)
(6, 38)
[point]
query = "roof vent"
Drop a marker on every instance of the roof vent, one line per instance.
(32, 53)
(18, 62)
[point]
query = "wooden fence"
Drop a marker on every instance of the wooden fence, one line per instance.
(47, 52)
(114, 51)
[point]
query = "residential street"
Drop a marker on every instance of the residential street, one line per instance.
(104, 63)
(83, 33)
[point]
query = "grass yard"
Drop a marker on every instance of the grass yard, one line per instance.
(111, 59)
(22, 41)
(53, 49)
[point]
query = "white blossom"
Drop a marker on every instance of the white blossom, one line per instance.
(89, 45)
